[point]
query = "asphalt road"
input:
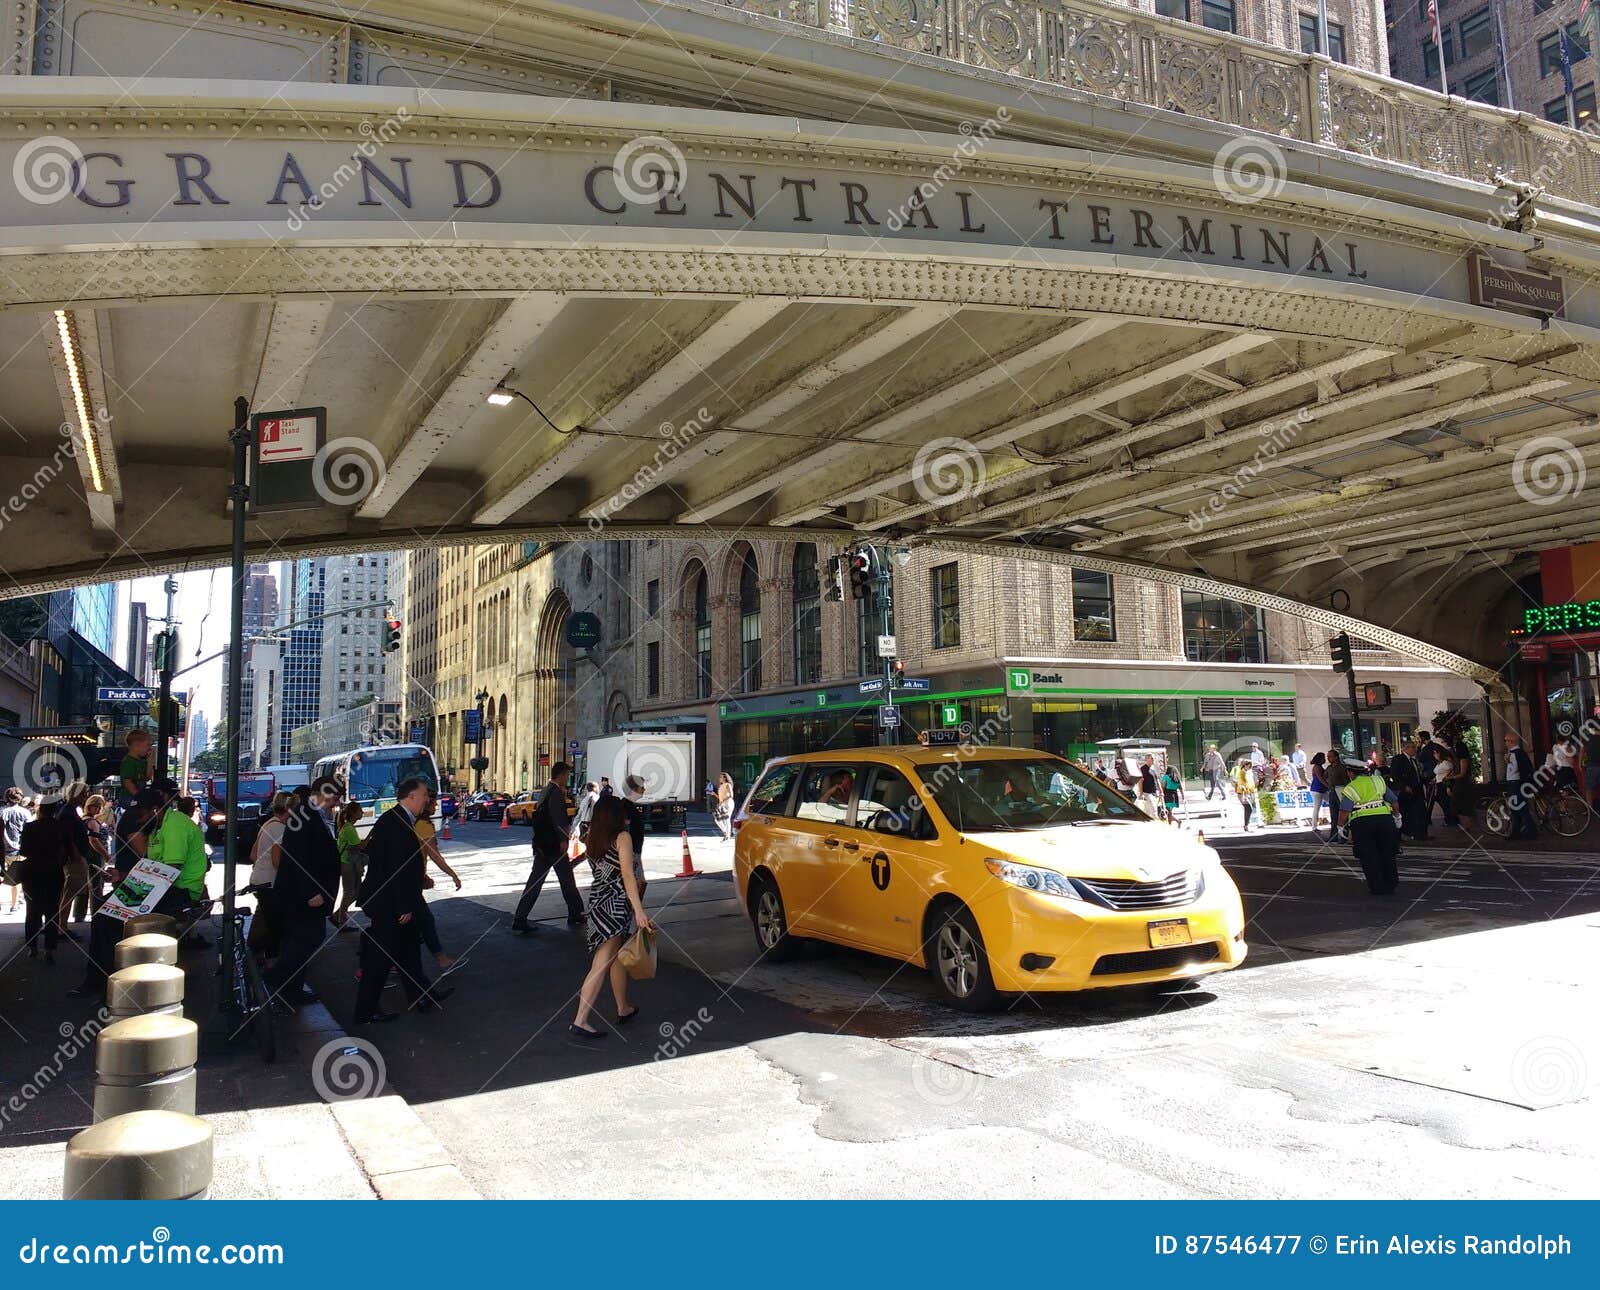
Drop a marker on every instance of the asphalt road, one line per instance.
(1438, 1042)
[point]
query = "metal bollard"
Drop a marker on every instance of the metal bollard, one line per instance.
(145, 988)
(144, 1155)
(147, 947)
(145, 1064)
(140, 924)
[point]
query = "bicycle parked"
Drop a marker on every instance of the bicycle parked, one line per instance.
(1562, 811)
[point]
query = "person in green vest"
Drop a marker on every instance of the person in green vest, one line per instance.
(178, 841)
(1373, 832)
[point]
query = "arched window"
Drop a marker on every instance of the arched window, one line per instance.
(749, 625)
(807, 616)
(702, 635)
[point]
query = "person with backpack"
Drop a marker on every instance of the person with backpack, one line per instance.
(1171, 793)
(550, 829)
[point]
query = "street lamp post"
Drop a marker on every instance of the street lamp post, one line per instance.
(480, 698)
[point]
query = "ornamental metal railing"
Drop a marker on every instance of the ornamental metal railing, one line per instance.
(1105, 49)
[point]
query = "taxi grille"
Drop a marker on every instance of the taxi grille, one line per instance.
(1155, 960)
(1181, 888)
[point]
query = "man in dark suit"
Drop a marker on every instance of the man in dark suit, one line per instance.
(1405, 777)
(550, 828)
(391, 895)
(306, 887)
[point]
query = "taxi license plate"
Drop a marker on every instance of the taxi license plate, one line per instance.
(1170, 931)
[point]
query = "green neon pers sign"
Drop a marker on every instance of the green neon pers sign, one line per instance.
(1578, 616)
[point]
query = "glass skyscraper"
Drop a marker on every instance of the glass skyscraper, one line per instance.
(94, 615)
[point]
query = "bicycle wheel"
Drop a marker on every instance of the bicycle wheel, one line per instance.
(1570, 815)
(260, 1014)
(1497, 816)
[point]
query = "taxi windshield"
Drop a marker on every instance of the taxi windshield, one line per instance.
(988, 795)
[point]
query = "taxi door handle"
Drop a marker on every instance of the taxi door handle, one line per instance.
(835, 842)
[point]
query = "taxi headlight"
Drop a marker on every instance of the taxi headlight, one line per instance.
(1029, 878)
(217, 817)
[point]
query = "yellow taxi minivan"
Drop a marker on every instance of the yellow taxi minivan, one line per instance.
(1000, 870)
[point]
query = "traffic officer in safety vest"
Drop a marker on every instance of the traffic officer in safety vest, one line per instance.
(1373, 832)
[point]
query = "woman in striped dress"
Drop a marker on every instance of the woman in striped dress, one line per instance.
(615, 912)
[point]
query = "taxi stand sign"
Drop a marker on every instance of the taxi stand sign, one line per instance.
(285, 451)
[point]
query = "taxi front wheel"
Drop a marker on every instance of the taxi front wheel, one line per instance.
(770, 921)
(959, 962)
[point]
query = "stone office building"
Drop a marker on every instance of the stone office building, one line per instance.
(742, 644)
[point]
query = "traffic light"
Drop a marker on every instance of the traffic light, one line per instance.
(391, 635)
(1339, 647)
(835, 578)
(899, 671)
(1374, 695)
(860, 573)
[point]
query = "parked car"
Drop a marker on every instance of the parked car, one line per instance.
(447, 806)
(486, 807)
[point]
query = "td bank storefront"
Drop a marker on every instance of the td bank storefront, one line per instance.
(1067, 706)
(1070, 707)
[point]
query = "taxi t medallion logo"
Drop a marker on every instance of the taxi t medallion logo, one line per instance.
(880, 871)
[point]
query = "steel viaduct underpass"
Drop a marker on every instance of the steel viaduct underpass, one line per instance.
(1025, 307)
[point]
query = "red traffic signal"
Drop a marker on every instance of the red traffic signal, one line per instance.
(391, 635)
(1375, 694)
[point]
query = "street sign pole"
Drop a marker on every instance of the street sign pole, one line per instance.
(887, 735)
(166, 727)
(239, 495)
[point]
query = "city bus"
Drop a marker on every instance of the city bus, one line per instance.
(370, 774)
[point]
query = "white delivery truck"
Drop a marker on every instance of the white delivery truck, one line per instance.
(664, 761)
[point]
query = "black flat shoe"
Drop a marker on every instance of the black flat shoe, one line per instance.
(577, 1032)
(623, 1018)
(377, 1018)
(433, 998)
(521, 929)
(574, 920)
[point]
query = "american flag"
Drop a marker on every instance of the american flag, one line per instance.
(1433, 21)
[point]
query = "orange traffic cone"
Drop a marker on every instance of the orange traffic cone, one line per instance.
(444, 833)
(688, 870)
(505, 820)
